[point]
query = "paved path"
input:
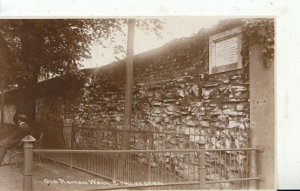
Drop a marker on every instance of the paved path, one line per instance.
(49, 176)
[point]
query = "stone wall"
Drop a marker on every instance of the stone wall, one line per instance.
(172, 93)
(9, 111)
(174, 98)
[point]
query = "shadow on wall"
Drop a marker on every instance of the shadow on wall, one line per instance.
(53, 133)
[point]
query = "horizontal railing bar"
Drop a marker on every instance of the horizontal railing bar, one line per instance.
(145, 131)
(134, 151)
(121, 130)
(149, 185)
(109, 151)
(233, 149)
(231, 180)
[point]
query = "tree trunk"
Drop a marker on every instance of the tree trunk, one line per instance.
(26, 99)
(27, 85)
(2, 103)
(6, 61)
(129, 83)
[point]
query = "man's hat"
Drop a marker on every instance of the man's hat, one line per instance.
(22, 117)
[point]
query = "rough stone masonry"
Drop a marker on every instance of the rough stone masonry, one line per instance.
(174, 97)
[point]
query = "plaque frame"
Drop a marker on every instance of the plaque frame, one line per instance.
(213, 40)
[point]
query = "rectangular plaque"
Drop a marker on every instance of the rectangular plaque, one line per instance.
(224, 50)
(227, 52)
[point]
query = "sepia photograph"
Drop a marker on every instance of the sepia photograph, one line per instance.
(137, 103)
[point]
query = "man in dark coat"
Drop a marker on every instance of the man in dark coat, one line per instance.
(13, 137)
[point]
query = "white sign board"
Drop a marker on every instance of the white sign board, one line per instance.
(224, 51)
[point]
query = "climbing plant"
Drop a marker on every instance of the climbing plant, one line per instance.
(262, 29)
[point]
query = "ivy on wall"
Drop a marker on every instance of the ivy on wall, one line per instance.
(262, 29)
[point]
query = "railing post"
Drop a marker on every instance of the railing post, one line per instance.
(253, 169)
(151, 141)
(115, 137)
(202, 171)
(149, 168)
(71, 160)
(67, 132)
(28, 156)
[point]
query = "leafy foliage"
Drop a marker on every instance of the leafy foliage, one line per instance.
(263, 31)
(58, 46)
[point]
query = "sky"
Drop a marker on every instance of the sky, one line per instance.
(174, 27)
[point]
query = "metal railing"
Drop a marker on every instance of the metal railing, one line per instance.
(129, 167)
(158, 169)
(231, 168)
(187, 138)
